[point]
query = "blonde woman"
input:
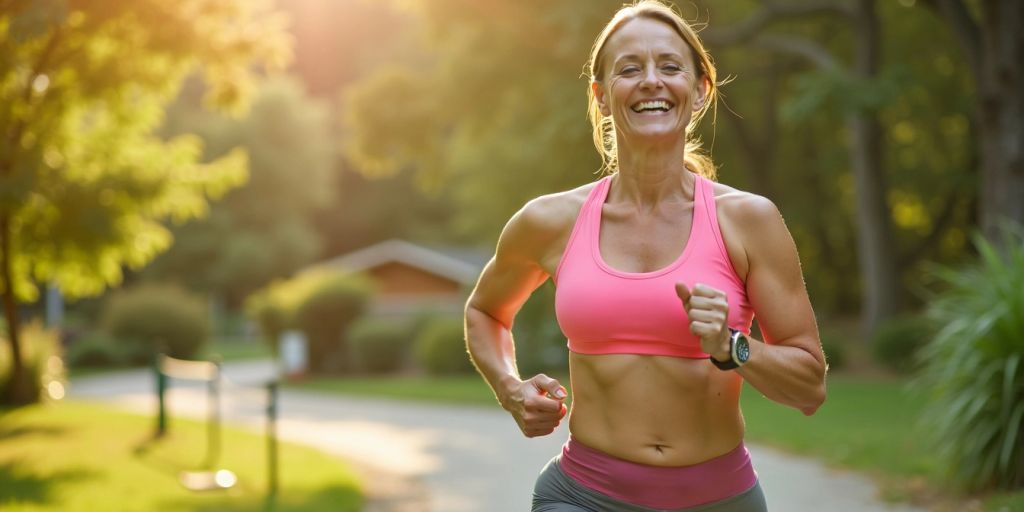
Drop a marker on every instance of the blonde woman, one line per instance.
(659, 271)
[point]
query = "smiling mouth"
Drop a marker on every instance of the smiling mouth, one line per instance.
(652, 106)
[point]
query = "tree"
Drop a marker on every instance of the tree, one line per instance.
(264, 229)
(500, 106)
(875, 248)
(84, 184)
(993, 45)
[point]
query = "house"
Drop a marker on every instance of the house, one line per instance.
(411, 278)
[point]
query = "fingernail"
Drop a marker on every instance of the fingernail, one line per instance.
(560, 394)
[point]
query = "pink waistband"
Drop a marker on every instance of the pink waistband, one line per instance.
(659, 486)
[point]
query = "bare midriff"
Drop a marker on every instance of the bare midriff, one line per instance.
(655, 410)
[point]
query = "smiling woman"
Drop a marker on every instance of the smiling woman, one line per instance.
(659, 272)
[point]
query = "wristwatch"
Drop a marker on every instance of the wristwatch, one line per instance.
(739, 352)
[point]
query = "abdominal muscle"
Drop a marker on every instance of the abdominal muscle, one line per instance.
(654, 410)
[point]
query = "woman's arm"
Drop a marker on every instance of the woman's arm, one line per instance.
(504, 285)
(790, 367)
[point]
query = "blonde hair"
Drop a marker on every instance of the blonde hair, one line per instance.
(604, 126)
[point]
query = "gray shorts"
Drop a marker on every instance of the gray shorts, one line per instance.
(557, 492)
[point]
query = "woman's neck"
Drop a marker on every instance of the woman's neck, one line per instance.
(652, 176)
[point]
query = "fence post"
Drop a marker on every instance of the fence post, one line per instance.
(213, 424)
(161, 390)
(272, 439)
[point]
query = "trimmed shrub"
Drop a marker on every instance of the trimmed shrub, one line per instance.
(96, 350)
(325, 316)
(441, 347)
(835, 352)
(157, 317)
(41, 355)
(896, 343)
(378, 346)
(540, 344)
(972, 368)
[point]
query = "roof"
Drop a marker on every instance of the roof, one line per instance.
(456, 263)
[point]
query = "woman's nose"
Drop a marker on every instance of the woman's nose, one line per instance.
(651, 78)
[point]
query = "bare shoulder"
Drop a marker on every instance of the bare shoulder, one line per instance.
(748, 220)
(748, 209)
(541, 227)
(552, 213)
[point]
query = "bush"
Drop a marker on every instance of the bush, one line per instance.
(441, 347)
(325, 316)
(540, 344)
(972, 368)
(835, 352)
(273, 308)
(41, 355)
(96, 350)
(896, 343)
(157, 317)
(378, 346)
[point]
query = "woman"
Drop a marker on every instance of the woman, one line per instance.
(657, 270)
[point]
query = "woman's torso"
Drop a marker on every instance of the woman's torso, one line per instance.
(651, 409)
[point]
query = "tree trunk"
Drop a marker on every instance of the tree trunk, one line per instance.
(879, 276)
(20, 389)
(1000, 116)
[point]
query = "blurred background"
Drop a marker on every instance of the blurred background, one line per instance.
(202, 177)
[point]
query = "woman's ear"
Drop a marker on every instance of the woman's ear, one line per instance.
(702, 94)
(598, 91)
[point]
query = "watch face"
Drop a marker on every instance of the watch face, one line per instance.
(742, 349)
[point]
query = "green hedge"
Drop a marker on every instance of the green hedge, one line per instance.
(379, 346)
(441, 347)
(896, 343)
(154, 317)
(325, 316)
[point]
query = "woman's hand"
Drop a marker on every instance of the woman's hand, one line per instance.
(708, 310)
(536, 404)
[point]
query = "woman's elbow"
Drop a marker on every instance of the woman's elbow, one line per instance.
(814, 401)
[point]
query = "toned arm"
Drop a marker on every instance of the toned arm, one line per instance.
(790, 367)
(506, 282)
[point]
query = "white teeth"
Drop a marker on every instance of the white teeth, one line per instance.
(651, 105)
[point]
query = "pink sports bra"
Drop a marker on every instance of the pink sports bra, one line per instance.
(602, 310)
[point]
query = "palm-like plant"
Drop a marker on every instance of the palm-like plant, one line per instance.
(972, 368)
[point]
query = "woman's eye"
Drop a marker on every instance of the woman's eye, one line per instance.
(672, 67)
(628, 70)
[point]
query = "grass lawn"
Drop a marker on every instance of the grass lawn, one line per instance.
(82, 457)
(456, 389)
(237, 349)
(867, 424)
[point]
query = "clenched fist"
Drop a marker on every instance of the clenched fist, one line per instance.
(708, 310)
(537, 405)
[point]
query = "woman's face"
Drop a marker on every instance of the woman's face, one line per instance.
(650, 83)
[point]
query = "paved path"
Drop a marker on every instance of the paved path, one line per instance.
(470, 459)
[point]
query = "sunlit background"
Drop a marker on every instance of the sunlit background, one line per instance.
(315, 185)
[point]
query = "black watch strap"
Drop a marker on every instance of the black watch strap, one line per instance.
(730, 364)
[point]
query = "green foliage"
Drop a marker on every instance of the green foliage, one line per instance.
(896, 343)
(835, 352)
(153, 318)
(972, 368)
(274, 306)
(540, 344)
(505, 109)
(441, 347)
(85, 184)
(97, 350)
(264, 229)
(325, 316)
(378, 345)
(41, 355)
